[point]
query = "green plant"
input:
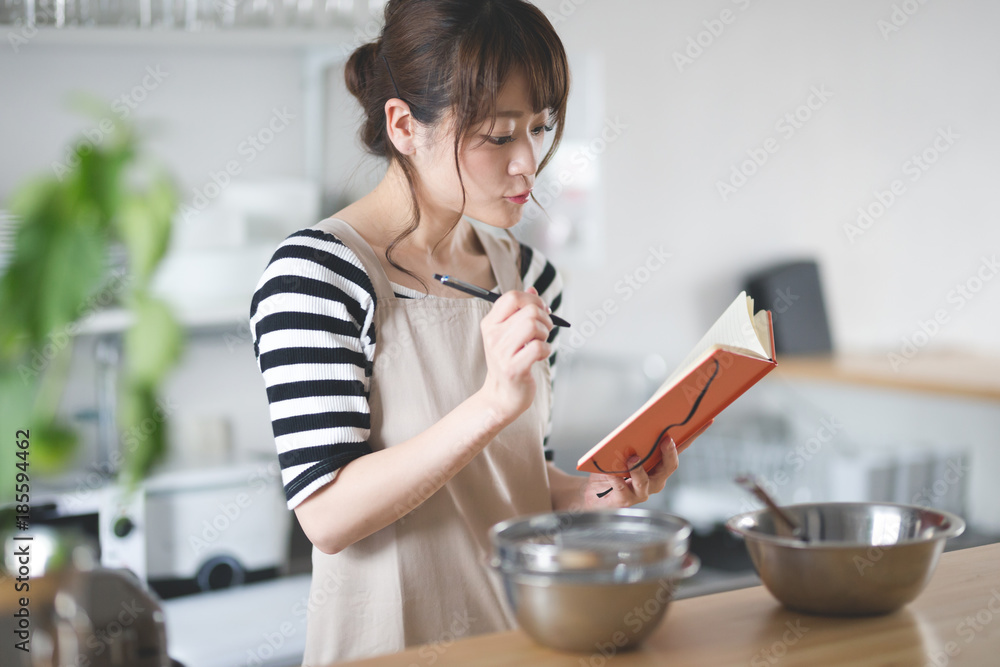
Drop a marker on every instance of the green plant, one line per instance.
(70, 224)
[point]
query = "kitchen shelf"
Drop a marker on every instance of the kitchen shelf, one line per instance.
(291, 39)
(194, 318)
(954, 373)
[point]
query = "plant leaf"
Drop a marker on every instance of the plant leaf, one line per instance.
(52, 446)
(154, 342)
(56, 269)
(143, 427)
(68, 276)
(145, 231)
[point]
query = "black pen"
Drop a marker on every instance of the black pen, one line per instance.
(485, 294)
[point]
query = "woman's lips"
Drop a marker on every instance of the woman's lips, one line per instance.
(521, 198)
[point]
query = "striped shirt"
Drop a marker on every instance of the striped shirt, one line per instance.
(312, 320)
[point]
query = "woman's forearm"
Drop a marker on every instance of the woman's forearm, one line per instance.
(377, 489)
(566, 489)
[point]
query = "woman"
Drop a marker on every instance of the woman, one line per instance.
(409, 418)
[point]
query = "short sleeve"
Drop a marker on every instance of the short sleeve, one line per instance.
(312, 322)
(540, 273)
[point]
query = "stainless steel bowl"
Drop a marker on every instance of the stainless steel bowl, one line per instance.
(857, 558)
(592, 580)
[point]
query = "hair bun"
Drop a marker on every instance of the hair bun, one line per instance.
(359, 71)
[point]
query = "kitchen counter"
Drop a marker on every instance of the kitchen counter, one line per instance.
(261, 624)
(954, 621)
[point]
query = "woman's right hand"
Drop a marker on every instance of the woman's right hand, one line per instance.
(515, 336)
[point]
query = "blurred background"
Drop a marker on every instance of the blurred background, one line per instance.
(708, 144)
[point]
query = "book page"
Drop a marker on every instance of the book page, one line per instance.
(760, 326)
(736, 328)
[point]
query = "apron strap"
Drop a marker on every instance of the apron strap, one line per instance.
(350, 237)
(503, 258)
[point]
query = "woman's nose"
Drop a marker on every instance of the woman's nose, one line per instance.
(525, 159)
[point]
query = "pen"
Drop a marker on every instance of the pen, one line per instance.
(485, 294)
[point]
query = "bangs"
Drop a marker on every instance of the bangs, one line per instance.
(504, 38)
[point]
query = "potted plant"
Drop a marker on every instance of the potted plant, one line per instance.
(109, 202)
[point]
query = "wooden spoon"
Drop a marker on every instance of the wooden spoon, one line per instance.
(754, 487)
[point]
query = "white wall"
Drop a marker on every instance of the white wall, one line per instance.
(205, 104)
(686, 129)
(890, 96)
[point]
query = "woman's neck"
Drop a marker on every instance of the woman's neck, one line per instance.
(441, 235)
(439, 245)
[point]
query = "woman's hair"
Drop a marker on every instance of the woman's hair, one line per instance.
(441, 55)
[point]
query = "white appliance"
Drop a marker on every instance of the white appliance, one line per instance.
(217, 525)
(210, 527)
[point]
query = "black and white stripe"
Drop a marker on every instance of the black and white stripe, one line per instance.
(312, 321)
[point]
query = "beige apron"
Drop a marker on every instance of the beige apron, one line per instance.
(425, 578)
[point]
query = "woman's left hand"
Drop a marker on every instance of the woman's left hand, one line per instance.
(640, 485)
(636, 488)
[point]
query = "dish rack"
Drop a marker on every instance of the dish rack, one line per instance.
(702, 489)
(8, 233)
(803, 469)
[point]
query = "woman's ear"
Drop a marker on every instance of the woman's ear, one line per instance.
(400, 125)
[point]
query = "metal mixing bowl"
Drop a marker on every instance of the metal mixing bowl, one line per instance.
(592, 581)
(857, 558)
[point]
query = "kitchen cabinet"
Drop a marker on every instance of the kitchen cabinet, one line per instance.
(316, 51)
(955, 621)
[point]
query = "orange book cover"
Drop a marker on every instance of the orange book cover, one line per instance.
(687, 401)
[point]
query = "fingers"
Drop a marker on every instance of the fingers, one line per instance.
(515, 337)
(640, 485)
(624, 492)
(524, 339)
(665, 468)
(609, 491)
(536, 350)
(638, 480)
(513, 302)
(517, 319)
(518, 328)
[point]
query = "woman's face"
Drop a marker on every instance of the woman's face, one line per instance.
(498, 165)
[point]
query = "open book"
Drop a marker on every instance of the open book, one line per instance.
(737, 351)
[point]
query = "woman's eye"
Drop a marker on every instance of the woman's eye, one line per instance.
(500, 141)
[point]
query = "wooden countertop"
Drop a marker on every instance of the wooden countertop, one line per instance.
(945, 373)
(954, 621)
